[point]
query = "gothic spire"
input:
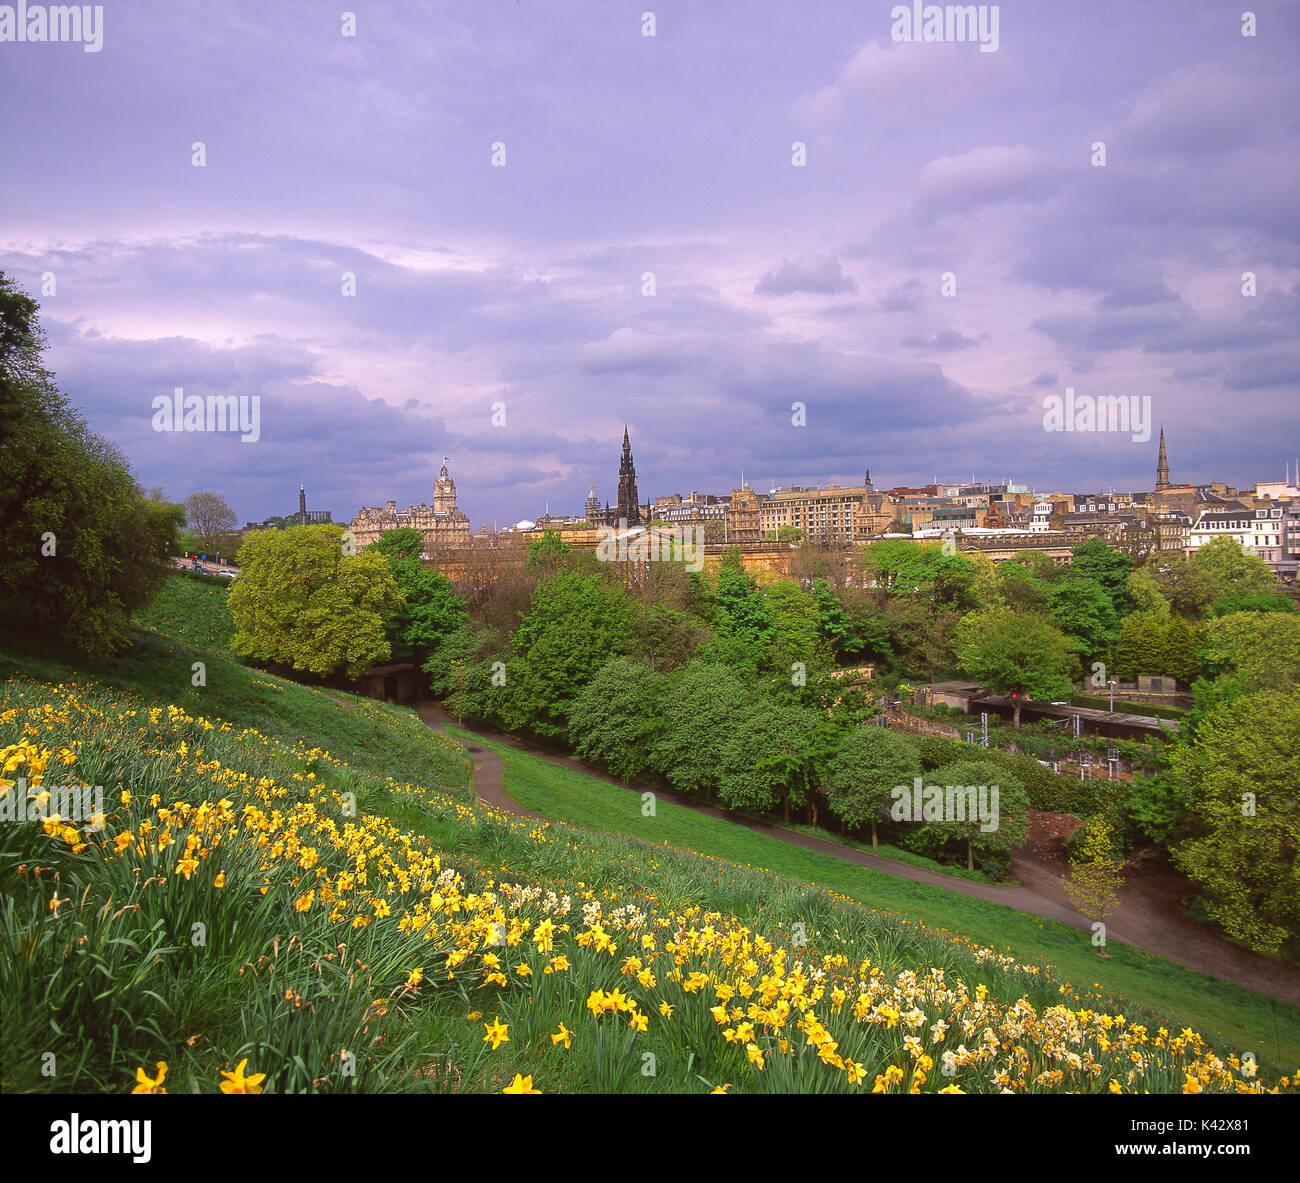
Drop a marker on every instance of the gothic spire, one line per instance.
(1162, 466)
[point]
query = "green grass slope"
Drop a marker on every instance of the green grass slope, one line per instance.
(1241, 1018)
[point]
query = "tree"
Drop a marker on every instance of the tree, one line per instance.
(1095, 874)
(1085, 612)
(83, 546)
(769, 756)
(922, 568)
(1232, 602)
(1189, 589)
(432, 610)
(577, 622)
(1262, 649)
(402, 543)
(301, 601)
(1237, 778)
(866, 633)
(700, 706)
(1017, 654)
(1026, 580)
(870, 763)
(742, 609)
(1180, 651)
(666, 637)
(545, 554)
(1109, 567)
(1232, 568)
(1010, 820)
(615, 718)
(796, 631)
(1145, 595)
(209, 516)
(1141, 646)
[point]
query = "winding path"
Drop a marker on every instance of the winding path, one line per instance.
(1145, 918)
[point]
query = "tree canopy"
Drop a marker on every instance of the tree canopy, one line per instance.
(301, 601)
(84, 547)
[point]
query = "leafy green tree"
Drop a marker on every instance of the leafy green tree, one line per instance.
(402, 543)
(83, 546)
(301, 601)
(1238, 779)
(455, 653)
(666, 638)
(796, 634)
(921, 634)
(432, 610)
(1260, 648)
(1232, 602)
(699, 706)
(1085, 612)
(1141, 647)
(1180, 651)
(854, 623)
(918, 568)
(1096, 875)
(1017, 654)
(547, 552)
(940, 835)
(1026, 580)
(615, 719)
(1109, 567)
(1232, 568)
(769, 757)
(577, 622)
(742, 609)
(870, 763)
(1188, 588)
(1145, 595)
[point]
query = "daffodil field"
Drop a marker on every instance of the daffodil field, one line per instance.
(254, 915)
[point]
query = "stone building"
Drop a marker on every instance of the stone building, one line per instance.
(744, 516)
(832, 514)
(442, 524)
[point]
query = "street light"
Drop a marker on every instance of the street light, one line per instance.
(1111, 684)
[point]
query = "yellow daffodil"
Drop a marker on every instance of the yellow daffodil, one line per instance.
(237, 1082)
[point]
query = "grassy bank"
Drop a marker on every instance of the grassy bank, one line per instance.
(1239, 1017)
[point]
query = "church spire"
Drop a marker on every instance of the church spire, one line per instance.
(1162, 466)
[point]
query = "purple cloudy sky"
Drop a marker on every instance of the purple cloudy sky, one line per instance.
(628, 154)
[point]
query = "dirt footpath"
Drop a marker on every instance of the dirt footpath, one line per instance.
(1147, 918)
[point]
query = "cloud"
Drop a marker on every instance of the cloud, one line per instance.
(821, 275)
(944, 341)
(894, 84)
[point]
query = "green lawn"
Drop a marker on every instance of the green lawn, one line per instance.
(1241, 1018)
(377, 739)
(191, 611)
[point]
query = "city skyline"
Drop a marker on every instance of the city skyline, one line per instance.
(383, 248)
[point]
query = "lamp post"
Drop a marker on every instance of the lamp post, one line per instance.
(1111, 684)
